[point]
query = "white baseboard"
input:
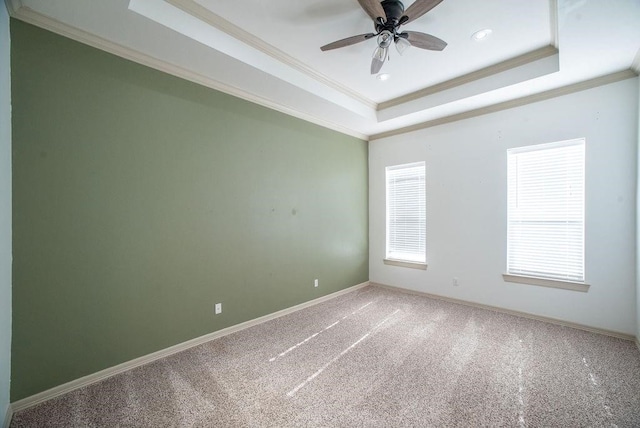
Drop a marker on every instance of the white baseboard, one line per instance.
(616, 334)
(8, 416)
(146, 359)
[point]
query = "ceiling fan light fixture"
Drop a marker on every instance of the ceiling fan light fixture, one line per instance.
(383, 76)
(402, 45)
(380, 54)
(481, 34)
(384, 39)
(388, 16)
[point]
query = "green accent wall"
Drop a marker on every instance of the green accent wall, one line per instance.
(5, 214)
(141, 199)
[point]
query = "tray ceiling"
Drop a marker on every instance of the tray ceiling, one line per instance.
(268, 52)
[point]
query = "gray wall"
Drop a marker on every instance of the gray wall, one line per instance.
(5, 212)
(141, 200)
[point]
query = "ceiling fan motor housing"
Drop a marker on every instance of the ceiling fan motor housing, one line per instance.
(394, 9)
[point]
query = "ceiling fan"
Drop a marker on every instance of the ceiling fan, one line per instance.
(388, 16)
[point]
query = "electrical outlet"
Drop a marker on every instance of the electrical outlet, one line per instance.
(315, 282)
(455, 282)
(218, 308)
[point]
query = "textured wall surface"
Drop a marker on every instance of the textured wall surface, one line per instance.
(466, 172)
(5, 212)
(140, 200)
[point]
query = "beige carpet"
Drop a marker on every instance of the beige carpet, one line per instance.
(372, 358)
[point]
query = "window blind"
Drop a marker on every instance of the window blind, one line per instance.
(545, 213)
(406, 212)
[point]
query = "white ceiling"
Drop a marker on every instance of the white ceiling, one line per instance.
(267, 51)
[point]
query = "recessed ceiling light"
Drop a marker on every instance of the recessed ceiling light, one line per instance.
(384, 76)
(481, 34)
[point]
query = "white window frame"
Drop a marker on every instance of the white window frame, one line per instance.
(547, 264)
(413, 253)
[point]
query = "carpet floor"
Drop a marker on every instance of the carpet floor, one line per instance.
(372, 358)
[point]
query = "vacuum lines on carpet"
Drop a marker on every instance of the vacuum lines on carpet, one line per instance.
(377, 358)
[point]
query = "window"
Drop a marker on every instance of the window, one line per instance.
(406, 215)
(545, 212)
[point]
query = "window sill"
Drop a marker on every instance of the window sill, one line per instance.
(404, 263)
(545, 282)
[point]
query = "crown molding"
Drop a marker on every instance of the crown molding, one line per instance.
(509, 64)
(32, 17)
(13, 6)
(529, 57)
(553, 93)
(17, 10)
(203, 14)
(635, 65)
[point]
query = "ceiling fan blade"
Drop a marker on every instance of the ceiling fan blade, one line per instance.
(417, 9)
(424, 41)
(374, 9)
(347, 42)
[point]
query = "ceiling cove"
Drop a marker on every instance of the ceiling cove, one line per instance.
(210, 42)
(536, 63)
